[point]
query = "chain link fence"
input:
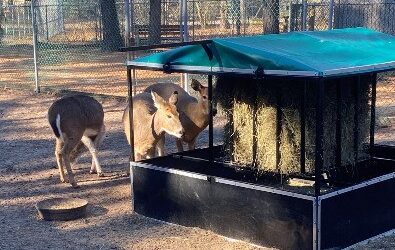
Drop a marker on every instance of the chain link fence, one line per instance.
(16, 46)
(77, 40)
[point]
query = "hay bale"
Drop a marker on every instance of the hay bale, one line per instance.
(266, 128)
(251, 107)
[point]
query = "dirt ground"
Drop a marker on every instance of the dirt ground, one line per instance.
(27, 175)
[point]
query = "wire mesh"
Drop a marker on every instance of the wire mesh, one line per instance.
(385, 109)
(16, 47)
(76, 47)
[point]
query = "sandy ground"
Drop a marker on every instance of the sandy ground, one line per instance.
(27, 175)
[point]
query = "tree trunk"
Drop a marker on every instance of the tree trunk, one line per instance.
(271, 9)
(154, 21)
(112, 39)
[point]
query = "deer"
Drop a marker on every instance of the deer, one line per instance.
(76, 120)
(194, 113)
(153, 117)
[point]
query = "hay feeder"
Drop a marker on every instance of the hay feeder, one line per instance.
(316, 179)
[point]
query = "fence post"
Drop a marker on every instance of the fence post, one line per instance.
(34, 27)
(330, 19)
(127, 26)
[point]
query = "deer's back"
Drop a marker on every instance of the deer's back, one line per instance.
(77, 111)
(165, 90)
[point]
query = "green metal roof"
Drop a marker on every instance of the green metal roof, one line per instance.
(307, 53)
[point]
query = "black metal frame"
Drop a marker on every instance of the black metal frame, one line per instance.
(318, 81)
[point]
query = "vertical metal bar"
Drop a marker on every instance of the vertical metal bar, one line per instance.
(193, 20)
(330, 19)
(339, 100)
(13, 21)
(278, 127)
(46, 22)
(18, 22)
(254, 128)
(34, 26)
(356, 117)
(210, 114)
(315, 222)
(96, 26)
(130, 103)
(304, 14)
(185, 36)
(184, 15)
(24, 20)
(319, 134)
(373, 112)
(303, 128)
(127, 26)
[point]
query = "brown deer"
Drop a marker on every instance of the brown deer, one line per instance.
(194, 114)
(153, 116)
(76, 120)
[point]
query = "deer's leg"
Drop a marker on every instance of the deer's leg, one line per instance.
(180, 148)
(69, 145)
(58, 155)
(77, 151)
(97, 140)
(192, 144)
(92, 149)
(160, 146)
(138, 157)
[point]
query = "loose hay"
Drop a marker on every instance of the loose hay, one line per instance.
(251, 107)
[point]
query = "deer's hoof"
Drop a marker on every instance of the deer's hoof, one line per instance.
(64, 180)
(75, 185)
(100, 174)
(92, 171)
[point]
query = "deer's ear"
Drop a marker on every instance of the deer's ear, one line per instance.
(158, 100)
(174, 98)
(195, 84)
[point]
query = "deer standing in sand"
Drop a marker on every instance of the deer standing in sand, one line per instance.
(153, 116)
(76, 120)
(194, 114)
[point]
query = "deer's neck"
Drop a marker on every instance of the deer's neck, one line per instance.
(198, 114)
(156, 127)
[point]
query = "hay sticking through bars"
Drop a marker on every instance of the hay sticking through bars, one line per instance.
(290, 135)
(266, 128)
(330, 116)
(243, 133)
(250, 136)
(364, 119)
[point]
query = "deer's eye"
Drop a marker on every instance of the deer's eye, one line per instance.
(204, 97)
(169, 116)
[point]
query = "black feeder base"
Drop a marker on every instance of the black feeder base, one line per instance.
(195, 192)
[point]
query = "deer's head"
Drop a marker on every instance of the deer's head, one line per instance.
(167, 114)
(203, 96)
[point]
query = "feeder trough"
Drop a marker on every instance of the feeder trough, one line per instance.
(348, 180)
(62, 208)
